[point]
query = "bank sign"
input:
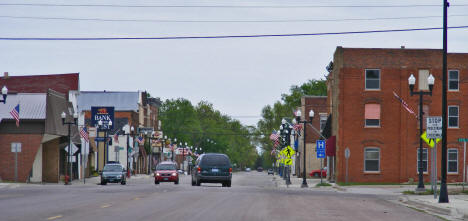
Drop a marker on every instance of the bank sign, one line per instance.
(105, 114)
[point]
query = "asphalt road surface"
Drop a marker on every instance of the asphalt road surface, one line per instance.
(253, 196)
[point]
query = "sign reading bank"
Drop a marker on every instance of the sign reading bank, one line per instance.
(105, 114)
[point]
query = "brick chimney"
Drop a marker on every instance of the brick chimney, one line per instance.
(5, 75)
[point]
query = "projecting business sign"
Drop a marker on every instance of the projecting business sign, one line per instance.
(105, 114)
(434, 127)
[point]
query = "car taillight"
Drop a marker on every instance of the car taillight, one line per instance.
(199, 169)
(230, 170)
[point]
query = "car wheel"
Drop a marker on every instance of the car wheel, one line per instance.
(198, 182)
(193, 182)
(228, 184)
(224, 184)
(103, 182)
(123, 182)
(156, 182)
(176, 182)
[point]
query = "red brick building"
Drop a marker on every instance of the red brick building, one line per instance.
(382, 136)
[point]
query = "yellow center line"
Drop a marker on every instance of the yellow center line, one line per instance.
(105, 206)
(54, 217)
(136, 198)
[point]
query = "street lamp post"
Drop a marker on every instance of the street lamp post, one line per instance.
(175, 141)
(128, 133)
(285, 131)
(298, 119)
(150, 162)
(4, 94)
(69, 165)
(106, 144)
(412, 81)
(163, 145)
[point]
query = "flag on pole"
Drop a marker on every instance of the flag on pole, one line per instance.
(84, 134)
(116, 137)
(297, 127)
(15, 113)
(405, 105)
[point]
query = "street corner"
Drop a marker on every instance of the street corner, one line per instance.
(455, 210)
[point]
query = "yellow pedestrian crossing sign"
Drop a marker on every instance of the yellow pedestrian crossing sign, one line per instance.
(429, 142)
(289, 152)
(288, 161)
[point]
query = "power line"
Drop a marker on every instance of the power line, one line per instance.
(218, 36)
(224, 21)
(226, 6)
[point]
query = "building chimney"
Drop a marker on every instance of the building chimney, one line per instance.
(5, 75)
(402, 47)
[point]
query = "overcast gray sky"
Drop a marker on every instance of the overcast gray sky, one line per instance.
(238, 75)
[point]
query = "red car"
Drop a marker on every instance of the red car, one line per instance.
(316, 173)
(166, 172)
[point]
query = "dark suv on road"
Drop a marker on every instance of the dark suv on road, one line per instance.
(212, 168)
(113, 173)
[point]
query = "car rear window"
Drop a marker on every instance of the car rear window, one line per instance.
(215, 160)
(166, 167)
(112, 168)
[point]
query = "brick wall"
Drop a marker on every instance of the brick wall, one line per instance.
(398, 135)
(30, 144)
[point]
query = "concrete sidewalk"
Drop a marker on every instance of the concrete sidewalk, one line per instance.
(88, 181)
(456, 209)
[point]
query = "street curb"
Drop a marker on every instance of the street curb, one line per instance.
(420, 205)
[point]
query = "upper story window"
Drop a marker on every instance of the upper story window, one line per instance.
(323, 121)
(372, 79)
(453, 114)
(453, 79)
(371, 159)
(452, 162)
(372, 115)
(424, 160)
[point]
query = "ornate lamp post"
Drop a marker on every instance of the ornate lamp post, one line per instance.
(4, 94)
(298, 119)
(175, 142)
(128, 131)
(105, 128)
(411, 82)
(68, 176)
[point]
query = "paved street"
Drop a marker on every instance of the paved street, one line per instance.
(253, 196)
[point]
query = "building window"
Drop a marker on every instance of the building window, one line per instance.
(371, 159)
(424, 161)
(453, 79)
(372, 79)
(422, 80)
(323, 121)
(453, 116)
(452, 163)
(372, 115)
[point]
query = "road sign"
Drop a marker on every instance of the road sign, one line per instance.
(73, 148)
(434, 127)
(320, 148)
(429, 141)
(347, 153)
(288, 162)
(289, 152)
(462, 139)
(16, 147)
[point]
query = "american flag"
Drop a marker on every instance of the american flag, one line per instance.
(297, 127)
(405, 105)
(116, 137)
(84, 134)
(274, 136)
(15, 114)
(273, 151)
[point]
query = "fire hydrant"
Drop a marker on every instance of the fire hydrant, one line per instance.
(67, 178)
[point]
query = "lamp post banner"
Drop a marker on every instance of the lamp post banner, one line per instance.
(105, 114)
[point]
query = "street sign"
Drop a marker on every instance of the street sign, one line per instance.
(100, 139)
(16, 147)
(92, 132)
(73, 149)
(288, 162)
(462, 140)
(347, 153)
(320, 148)
(289, 152)
(429, 141)
(143, 130)
(434, 127)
